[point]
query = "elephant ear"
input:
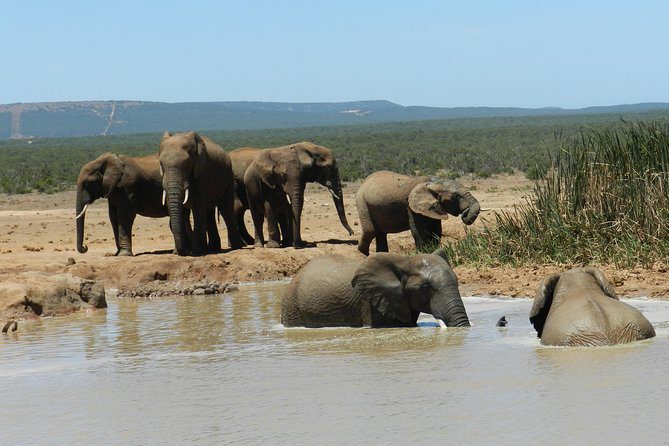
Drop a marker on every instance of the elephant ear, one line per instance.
(441, 252)
(603, 283)
(542, 303)
(424, 200)
(112, 172)
(379, 280)
(269, 170)
(201, 156)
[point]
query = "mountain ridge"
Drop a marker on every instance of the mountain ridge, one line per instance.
(113, 117)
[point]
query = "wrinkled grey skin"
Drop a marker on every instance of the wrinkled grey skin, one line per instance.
(384, 290)
(579, 307)
(389, 202)
(192, 162)
(286, 170)
(131, 185)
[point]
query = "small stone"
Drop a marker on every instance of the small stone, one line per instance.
(70, 261)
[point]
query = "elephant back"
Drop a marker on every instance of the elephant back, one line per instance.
(321, 295)
(385, 188)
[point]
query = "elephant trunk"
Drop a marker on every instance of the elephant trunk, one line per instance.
(447, 305)
(175, 198)
(337, 195)
(470, 208)
(83, 199)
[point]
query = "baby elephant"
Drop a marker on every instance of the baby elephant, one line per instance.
(579, 307)
(388, 202)
(385, 290)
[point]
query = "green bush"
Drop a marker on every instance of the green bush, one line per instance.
(605, 199)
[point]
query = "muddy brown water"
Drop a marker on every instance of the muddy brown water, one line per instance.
(222, 370)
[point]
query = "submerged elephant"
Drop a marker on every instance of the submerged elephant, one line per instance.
(284, 172)
(384, 290)
(389, 202)
(131, 185)
(579, 307)
(197, 174)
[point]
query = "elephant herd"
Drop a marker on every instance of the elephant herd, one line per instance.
(193, 176)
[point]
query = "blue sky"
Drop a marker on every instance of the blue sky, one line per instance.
(439, 53)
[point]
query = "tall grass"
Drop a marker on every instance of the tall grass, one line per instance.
(604, 199)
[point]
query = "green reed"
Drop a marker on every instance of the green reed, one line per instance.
(604, 199)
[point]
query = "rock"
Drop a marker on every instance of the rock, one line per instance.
(70, 261)
(37, 294)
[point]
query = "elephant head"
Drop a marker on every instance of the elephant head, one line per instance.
(182, 159)
(97, 179)
(436, 199)
(400, 287)
(318, 165)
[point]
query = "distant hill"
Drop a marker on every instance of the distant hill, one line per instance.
(64, 119)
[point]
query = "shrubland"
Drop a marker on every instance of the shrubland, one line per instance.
(483, 146)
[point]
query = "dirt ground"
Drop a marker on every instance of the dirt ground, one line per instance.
(37, 233)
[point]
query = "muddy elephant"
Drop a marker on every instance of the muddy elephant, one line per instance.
(241, 160)
(579, 307)
(389, 202)
(384, 290)
(131, 185)
(285, 171)
(197, 174)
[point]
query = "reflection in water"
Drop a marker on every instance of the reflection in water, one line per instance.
(221, 369)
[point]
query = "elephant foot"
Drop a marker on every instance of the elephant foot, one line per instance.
(258, 244)
(273, 244)
(213, 249)
(299, 244)
(237, 244)
(124, 252)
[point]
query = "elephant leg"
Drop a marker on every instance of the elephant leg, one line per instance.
(227, 209)
(258, 215)
(286, 228)
(126, 218)
(113, 220)
(240, 209)
(274, 237)
(296, 204)
(381, 242)
(365, 240)
(366, 225)
(214, 240)
(199, 232)
(426, 231)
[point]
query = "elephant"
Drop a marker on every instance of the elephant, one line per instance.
(241, 160)
(384, 290)
(131, 185)
(284, 171)
(197, 174)
(389, 202)
(579, 307)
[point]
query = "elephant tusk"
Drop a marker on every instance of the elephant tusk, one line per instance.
(164, 196)
(442, 324)
(288, 198)
(335, 196)
(82, 213)
(485, 210)
(185, 199)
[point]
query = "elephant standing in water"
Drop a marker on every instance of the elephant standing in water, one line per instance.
(275, 174)
(384, 290)
(197, 174)
(389, 202)
(131, 185)
(579, 307)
